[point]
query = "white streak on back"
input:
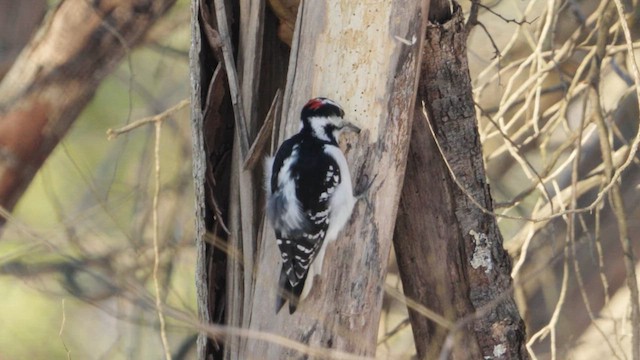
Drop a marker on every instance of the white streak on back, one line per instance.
(268, 168)
(285, 209)
(342, 199)
(341, 205)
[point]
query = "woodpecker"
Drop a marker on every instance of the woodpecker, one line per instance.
(309, 196)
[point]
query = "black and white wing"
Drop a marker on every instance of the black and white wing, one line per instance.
(299, 206)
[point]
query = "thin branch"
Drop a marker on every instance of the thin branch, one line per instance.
(156, 251)
(496, 50)
(482, 207)
(266, 131)
(515, 150)
(114, 133)
(585, 297)
(402, 325)
(616, 197)
(518, 22)
(62, 323)
(216, 208)
(419, 308)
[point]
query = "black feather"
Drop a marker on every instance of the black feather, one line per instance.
(286, 292)
(314, 178)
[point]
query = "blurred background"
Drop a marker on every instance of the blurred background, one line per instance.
(76, 258)
(76, 255)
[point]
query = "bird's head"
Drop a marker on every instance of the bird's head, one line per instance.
(324, 119)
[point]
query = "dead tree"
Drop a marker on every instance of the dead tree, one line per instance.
(449, 248)
(368, 58)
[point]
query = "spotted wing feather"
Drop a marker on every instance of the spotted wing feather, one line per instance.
(315, 182)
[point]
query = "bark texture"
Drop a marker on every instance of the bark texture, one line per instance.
(226, 194)
(449, 251)
(57, 74)
(18, 21)
(371, 70)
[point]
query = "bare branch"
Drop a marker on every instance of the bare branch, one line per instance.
(114, 133)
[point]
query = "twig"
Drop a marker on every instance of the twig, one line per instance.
(139, 294)
(216, 208)
(633, 148)
(156, 251)
(480, 206)
(572, 225)
(585, 296)
(403, 324)
(266, 131)
(114, 133)
(496, 50)
(515, 151)
(222, 331)
(518, 22)
(62, 323)
(617, 201)
(550, 328)
(419, 308)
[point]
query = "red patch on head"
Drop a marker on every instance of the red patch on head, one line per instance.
(314, 104)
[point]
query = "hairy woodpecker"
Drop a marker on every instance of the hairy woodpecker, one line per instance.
(309, 196)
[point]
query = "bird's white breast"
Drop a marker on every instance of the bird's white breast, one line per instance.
(342, 199)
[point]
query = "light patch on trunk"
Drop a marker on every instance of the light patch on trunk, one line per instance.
(350, 73)
(499, 350)
(482, 252)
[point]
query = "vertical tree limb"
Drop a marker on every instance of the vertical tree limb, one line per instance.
(449, 252)
(212, 124)
(371, 70)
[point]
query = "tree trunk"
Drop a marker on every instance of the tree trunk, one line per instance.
(334, 55)
(56, 75)
(371, 70)
(449, 251)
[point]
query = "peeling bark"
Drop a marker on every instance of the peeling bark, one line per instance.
(371, 70)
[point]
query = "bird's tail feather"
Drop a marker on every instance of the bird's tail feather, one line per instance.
(284, 288)
(286, 292)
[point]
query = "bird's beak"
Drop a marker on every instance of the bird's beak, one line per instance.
(350, 127)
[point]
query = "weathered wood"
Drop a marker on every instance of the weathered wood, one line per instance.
(213, 133)
(56, 75)
(250, 59)
(259, 146)
(199, 173)
(449, 251)
(199, 170)
(366, 58)
(232, 191)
